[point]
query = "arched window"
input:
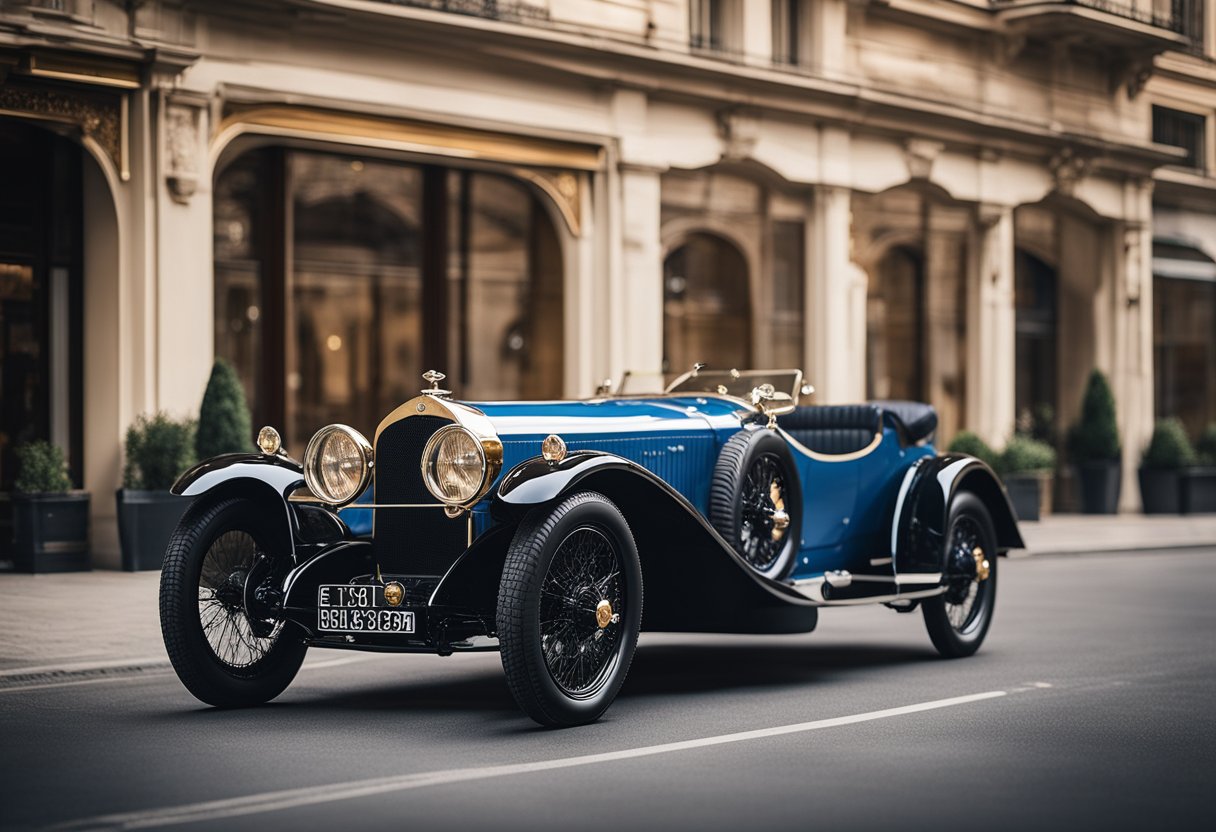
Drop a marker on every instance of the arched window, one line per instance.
(706, 305)
(340, 279)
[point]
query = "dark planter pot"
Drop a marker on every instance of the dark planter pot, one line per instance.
(1199, 491)
(1026, 493)
(1160, 491)
(146, 519)
(51, 532)
(1100, 486)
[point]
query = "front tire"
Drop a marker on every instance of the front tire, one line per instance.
(958, 619)
(569, 610)
(222, 656)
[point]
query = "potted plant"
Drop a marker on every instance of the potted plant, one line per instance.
(159, 449)
(1199, 483)
(1161, 466)
(50, 520)
(1026, 467)
(224, 424)
(1094, 447)
(966, 442)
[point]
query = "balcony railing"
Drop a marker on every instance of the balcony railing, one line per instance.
(509, 10)
(1184, 17)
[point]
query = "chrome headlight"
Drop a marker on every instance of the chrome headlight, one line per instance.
(454, 465)
(337, 464)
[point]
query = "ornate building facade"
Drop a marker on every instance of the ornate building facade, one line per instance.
(972, 203)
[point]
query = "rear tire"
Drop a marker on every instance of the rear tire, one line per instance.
(209, 638)
(569, 609)
(958, 620)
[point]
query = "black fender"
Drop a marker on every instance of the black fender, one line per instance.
(922, 510)
(694, 581)
(268, 480)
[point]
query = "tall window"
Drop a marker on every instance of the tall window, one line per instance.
(708, 24)
(1184, 335)
(706, 306)
(1182, 129)
(787, 32)
(340, 279)
(786, 330)
(1035, 299)
(895, 327)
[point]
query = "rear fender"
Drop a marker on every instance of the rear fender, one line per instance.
(694, 581)
(267, 480)
(922, 510)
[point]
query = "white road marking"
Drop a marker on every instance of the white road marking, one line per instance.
(213, 810)
(154, 672)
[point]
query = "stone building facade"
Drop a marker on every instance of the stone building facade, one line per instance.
(949, 201)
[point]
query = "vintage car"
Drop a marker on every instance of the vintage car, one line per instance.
(535, 529)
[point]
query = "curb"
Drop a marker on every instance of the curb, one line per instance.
(1130, 548)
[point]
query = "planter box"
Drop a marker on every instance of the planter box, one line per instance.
(146, 520)
(1100, 483)
(1160, 491)
(1199, 491)
(51, 532)
(1030, 495)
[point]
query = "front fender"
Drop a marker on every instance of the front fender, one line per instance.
(694, 581)
(922, 511)
(268, 480)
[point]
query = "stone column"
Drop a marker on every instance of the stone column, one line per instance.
(636, 295)
(991, 366)
(829, 286)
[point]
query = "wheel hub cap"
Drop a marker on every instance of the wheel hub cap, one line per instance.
(982, 567)
(603, 614)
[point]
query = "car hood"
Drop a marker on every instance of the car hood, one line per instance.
(604, 417)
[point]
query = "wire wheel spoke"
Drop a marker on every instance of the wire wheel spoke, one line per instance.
(965, 596)
(221, 606)
(762, 488)
(584, 574)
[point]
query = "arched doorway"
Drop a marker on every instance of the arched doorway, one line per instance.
(340, 278)
(895, 326)
(1035, 353)
(706, 305)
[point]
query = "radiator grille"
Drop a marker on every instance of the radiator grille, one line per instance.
(417, 541)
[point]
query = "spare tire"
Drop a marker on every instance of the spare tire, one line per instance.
(755, 501)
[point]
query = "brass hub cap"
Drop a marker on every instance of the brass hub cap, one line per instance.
(603, 614)
(982, 567)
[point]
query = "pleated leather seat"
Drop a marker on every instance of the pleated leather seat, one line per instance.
(833, 429)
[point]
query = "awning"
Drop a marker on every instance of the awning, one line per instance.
(1181, 260)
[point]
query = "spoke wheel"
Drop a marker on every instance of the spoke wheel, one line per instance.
(958, 619)
(221, 602)
(223, 656)
(569, 609)
(583, 588)
(755, 501)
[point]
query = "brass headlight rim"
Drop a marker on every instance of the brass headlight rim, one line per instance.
(311, 455)
(490, 448)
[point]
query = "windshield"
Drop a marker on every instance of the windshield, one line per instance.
(736, 383)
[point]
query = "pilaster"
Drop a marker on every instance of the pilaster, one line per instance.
(991, 366)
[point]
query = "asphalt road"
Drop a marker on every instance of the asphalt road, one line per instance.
(1090, 707)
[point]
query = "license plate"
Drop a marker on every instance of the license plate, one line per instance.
(359, 608)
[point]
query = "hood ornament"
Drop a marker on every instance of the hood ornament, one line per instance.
(433, 377)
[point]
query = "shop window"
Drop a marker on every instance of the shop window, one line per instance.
(1178, 128)
(706, 306)
(340, 279)
(1035, 300)
(1184, 335)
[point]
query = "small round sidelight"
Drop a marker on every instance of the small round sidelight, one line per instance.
(394, 593)
(269, 441)
(553, 449)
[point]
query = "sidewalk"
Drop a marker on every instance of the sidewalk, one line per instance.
(84, 623)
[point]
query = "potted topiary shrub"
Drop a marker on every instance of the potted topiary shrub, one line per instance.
(224, 424)
(159, 449)
(50, 520)
(1026, 466)
(1161, 466)
(966, 442)
(1199, 483)
(1094, 447)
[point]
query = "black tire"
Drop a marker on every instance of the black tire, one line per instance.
(222, 662)
(556, 576)
(956, 629)
(746, 519)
